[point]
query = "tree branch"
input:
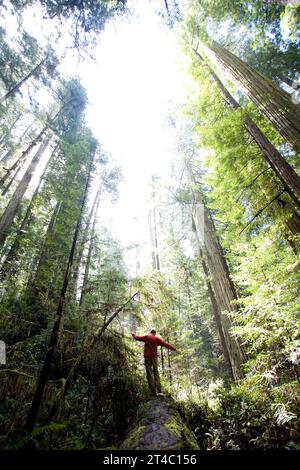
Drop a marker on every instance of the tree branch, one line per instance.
(262, 209)
(105, 325)
(253, 181)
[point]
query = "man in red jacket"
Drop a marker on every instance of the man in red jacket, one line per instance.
(150, 354)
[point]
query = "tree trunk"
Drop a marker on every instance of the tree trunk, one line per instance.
(6, 267)
(16, 88)
(217, 315)
(87, 346)
(23, 156)
(36, 273)
(153, 230)
(36, 402)
(223, 286)
(292, 221)
(286, 174)
(12, 208)
(272, 101)
(11, 152)
(169, 365)
(84, 286)
(162, 360)
(93, 216)
(13, 178)
(10, 128)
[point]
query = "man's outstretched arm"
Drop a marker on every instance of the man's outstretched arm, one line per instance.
(167, 345)
(138, 338)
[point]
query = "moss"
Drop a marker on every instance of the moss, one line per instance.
(178, 429)
(108, 448)
(144, 409)
(174, 427)
(133, 439)
(170, 431)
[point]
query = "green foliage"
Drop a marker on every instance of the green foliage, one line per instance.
(96, 412)
(21, 58)
(87, 18)
(264, 34)
(248, 415)
(91, 390)
(175, 300)
(39, 434)
(261, 245)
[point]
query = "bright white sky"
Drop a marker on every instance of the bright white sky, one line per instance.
(136, 80)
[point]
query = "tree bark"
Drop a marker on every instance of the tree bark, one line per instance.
(217, 315)
(12, 208)
(272, 101)
(33, 284)
(169, 365)
(24, 155)
(91, 246)
(292, 221)
(12, 255)
(286, 174)
(153, 231)
(16, 88)
(10, 128)
(13, 178)
(223, 287)
(11, 152)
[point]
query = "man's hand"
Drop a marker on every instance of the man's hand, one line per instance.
(133, 334)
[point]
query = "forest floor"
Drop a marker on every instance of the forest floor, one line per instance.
(159, 426)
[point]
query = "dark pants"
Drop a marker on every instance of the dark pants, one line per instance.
(152, 374)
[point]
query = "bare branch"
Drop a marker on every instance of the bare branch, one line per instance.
(253, 181)
(262, 209)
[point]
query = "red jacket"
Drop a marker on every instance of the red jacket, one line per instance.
(151, 344)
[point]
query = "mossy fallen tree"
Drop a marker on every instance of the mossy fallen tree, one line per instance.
(159, 426)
